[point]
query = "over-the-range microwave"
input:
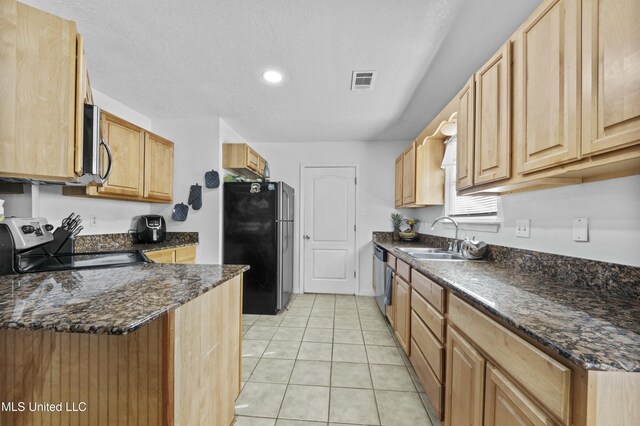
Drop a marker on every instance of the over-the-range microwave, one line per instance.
(92, 142)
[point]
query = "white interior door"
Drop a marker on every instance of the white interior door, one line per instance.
(329, 229)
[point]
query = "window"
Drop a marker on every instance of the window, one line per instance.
(474, 208)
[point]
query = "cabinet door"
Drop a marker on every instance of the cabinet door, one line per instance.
(37, 101)
(465, 382)
(162, 256)
(505, 404)
(158, 168)
(403, 312)
(186, 255)
(399, 176)
(127, 146)
(547, 97)
(253, 160)
(493, 119)
(409, 175)
(465, 139)
(610, 74)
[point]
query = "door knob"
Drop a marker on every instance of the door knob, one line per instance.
(306, 237)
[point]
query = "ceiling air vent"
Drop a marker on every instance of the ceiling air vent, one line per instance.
(362, 80)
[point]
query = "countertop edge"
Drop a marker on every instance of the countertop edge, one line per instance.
(117, 331)
(500, 317)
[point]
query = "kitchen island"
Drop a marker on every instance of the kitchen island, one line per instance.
(140, 344)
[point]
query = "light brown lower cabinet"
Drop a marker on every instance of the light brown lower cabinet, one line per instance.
(402, 308)
(184, 255)
(181, 369)
(505, 404)
(464, 383)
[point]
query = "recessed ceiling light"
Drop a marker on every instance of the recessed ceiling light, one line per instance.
(272, 76)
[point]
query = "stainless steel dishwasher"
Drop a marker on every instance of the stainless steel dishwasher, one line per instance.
(379, 275)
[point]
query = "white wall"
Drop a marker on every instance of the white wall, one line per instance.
(197, 150)
(612, 207)
(375, 162)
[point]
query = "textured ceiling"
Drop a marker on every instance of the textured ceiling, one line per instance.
(176, 59)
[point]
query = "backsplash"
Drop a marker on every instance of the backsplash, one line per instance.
(122, 241)
(594, 274)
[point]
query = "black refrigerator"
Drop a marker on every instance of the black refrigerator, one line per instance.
(258, 231)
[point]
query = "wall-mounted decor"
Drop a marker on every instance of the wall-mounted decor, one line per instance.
(195, 196)
(212, 179)
(180, 212)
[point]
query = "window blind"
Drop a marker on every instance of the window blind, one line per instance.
(466, 205)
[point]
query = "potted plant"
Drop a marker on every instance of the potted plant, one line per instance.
(410, 234)
(396, 221)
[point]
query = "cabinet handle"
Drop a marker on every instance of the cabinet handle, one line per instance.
(109, 156)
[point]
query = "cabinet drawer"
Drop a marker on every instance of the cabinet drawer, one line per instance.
(430, 347)
(186, 254)
(542, 376)
(162, 256)
(432, 387)
(404, 270)
(391, 261)
(432, 292)
(429, 315)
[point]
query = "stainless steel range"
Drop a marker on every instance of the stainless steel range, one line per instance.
(29, 245)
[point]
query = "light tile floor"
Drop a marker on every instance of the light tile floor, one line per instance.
(327, 359)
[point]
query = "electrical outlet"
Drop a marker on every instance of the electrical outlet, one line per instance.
(93, 221)
(522, 228)
(581, 229)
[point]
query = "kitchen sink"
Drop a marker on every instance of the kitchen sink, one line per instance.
(438, 256)
(432, 253)
(421, 250)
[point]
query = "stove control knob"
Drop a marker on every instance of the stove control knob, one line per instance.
(48, 227)
(28, 229)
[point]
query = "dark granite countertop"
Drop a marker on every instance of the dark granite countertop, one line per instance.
(122, 241)
(596, 329)
(107, 300)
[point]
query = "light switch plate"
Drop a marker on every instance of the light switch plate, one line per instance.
(522, 228)
(580, 229)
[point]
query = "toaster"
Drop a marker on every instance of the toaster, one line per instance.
(149, 228)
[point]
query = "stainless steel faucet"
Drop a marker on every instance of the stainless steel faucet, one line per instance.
(454, 245)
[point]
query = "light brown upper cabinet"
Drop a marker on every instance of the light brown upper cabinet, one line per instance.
(419, 176)
(466, 132)
(575, 102)
(610, 75)
(240, 158)
(127, 146)
(492, 140)
(158, 168)
(409, 174)
(398, 188)
(38, 83)
(142, 164)
(546, 91)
